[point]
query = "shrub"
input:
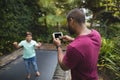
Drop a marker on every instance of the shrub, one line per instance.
(109, 59)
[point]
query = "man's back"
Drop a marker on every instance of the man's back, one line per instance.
(82, 56)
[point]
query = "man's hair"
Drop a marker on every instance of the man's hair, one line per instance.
(76, 14)
(28, 33)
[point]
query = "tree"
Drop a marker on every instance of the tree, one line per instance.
(16, 17)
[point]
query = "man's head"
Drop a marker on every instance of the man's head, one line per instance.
(28, 36)
(75, 18)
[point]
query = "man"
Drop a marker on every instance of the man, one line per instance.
(29, 55)
(82, 53)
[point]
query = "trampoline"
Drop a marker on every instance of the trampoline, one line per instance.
(47, 62)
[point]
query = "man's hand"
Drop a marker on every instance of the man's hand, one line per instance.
(57, 41)
(67, 38)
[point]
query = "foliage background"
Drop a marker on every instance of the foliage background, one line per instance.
(43, 17)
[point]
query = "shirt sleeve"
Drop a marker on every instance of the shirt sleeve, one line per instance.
(72, 57)
(20, 44)
(35, 43)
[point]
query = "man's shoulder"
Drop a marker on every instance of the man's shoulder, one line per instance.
(95, 32)
(78, 41)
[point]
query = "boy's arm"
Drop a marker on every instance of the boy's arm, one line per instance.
(38, 45)
(16, 45)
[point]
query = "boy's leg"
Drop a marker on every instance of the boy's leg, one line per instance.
(27, 65)
(34, 63)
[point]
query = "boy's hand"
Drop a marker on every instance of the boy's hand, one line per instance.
(15, 43)
(39, 43)
(67, 38)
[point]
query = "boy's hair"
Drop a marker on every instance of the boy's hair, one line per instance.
(28, 33)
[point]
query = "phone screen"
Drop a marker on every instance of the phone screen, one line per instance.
(58, 35)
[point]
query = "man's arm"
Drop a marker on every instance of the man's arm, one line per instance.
(60, 59)
(67, 38)
(60, 54)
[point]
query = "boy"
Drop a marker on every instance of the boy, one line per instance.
(29, 55)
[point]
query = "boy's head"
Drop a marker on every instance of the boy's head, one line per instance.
(28, 36)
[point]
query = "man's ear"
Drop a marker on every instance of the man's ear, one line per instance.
(72, 21)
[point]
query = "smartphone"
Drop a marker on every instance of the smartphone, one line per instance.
(57, 35)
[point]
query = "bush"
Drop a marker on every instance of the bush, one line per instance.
(109, 59)
(16, 17)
